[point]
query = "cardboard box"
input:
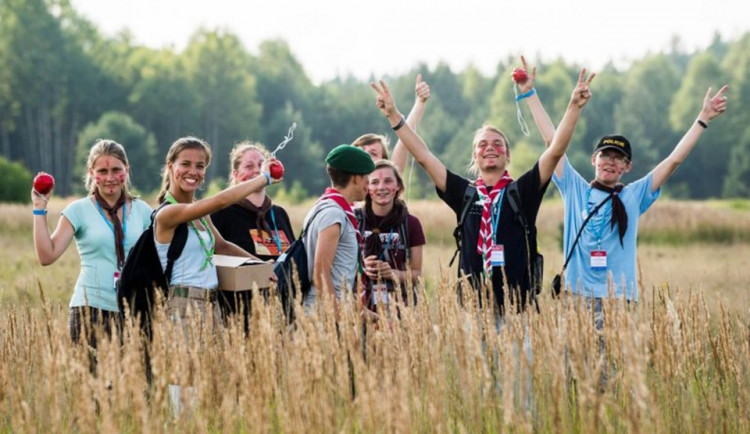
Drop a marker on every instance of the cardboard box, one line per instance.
(237, 273)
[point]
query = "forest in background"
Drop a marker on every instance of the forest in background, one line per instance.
(63, 85)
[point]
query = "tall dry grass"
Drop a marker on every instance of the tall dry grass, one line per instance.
(438, 367)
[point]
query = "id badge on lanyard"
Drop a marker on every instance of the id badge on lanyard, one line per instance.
(380, 294)
(115, 279)
(497, 256)
(599, 260)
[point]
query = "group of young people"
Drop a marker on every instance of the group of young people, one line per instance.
(359, 236)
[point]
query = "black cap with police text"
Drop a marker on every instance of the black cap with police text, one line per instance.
(617, 142)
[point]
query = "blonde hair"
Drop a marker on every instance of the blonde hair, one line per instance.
(101, 148)
(367, 139)
(241, 149)
(174, 151)
(473, 169)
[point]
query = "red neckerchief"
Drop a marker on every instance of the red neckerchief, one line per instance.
(486, 237)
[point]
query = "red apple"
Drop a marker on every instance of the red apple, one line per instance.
(43, 182)
(520, 75)
(277, 170)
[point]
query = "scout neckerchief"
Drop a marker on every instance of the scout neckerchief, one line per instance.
(116, 225)
(380, 225)
(260, 213)
(207, 250)
(486, 229)
(619, 215)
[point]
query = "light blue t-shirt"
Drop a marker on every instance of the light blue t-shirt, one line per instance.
(346, 259)
(598, 234)
(95, 240)
(188, 269)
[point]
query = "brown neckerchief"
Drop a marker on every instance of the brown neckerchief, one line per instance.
(619, 215)
(259, 211)
(396, 216)
(116, 224)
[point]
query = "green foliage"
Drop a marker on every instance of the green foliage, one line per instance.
(61, 74)
(737, 181)
(15, 182)
(285, 193)
(139, 144)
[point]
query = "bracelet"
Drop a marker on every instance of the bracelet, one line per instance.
(526, 95)
(39, 211)
(399, 124)
(268, 177)
(701, 123)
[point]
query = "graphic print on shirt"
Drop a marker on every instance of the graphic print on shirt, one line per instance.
(265, 242)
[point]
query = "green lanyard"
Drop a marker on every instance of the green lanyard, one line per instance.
(208, 251)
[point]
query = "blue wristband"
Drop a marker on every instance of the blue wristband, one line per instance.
(268, 177)
(526, 95)
(39, 212)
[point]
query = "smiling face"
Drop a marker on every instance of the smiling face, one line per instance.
(610, 165)
(109, 174)
(383, 186)
(188, 170)
(248, 167)
(491, 151)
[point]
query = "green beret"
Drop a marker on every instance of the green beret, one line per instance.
(350, 159)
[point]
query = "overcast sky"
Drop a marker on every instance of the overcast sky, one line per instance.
(332, 37)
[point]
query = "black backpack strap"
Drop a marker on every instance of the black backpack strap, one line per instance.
(359, 214)
(466, 203)
(404, 234)
(179, 239)
(514, 200)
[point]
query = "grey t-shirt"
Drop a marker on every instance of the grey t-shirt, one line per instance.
(344, 269)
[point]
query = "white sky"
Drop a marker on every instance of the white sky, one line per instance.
(339, 37)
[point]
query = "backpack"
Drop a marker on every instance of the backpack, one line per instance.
(142, 273)
(290, 264)
(535, 261)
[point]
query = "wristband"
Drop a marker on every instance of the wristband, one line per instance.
(526, 95)
(399, 124)
(701, 123)
(39, 211)
(268, 177)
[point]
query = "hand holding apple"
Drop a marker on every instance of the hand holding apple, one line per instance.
(43, 183)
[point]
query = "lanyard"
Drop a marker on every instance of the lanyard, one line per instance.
(275, 234)
(207, 250)
(388, 239)
(596, 229)
(495, 214)
(112, 226)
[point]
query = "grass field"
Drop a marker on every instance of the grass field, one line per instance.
(675, 362)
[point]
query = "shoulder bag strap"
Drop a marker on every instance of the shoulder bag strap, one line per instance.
(580, 231)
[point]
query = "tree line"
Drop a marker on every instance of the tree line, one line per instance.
(63, 85)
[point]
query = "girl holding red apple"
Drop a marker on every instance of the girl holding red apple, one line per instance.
(105, 225)
(254, 223)
(194, 280)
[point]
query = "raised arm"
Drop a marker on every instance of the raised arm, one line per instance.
(412, 142)
(48, 247)
(551, 156)
(169, 217)
(712, 107)
(422, 94)
(541, 118)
